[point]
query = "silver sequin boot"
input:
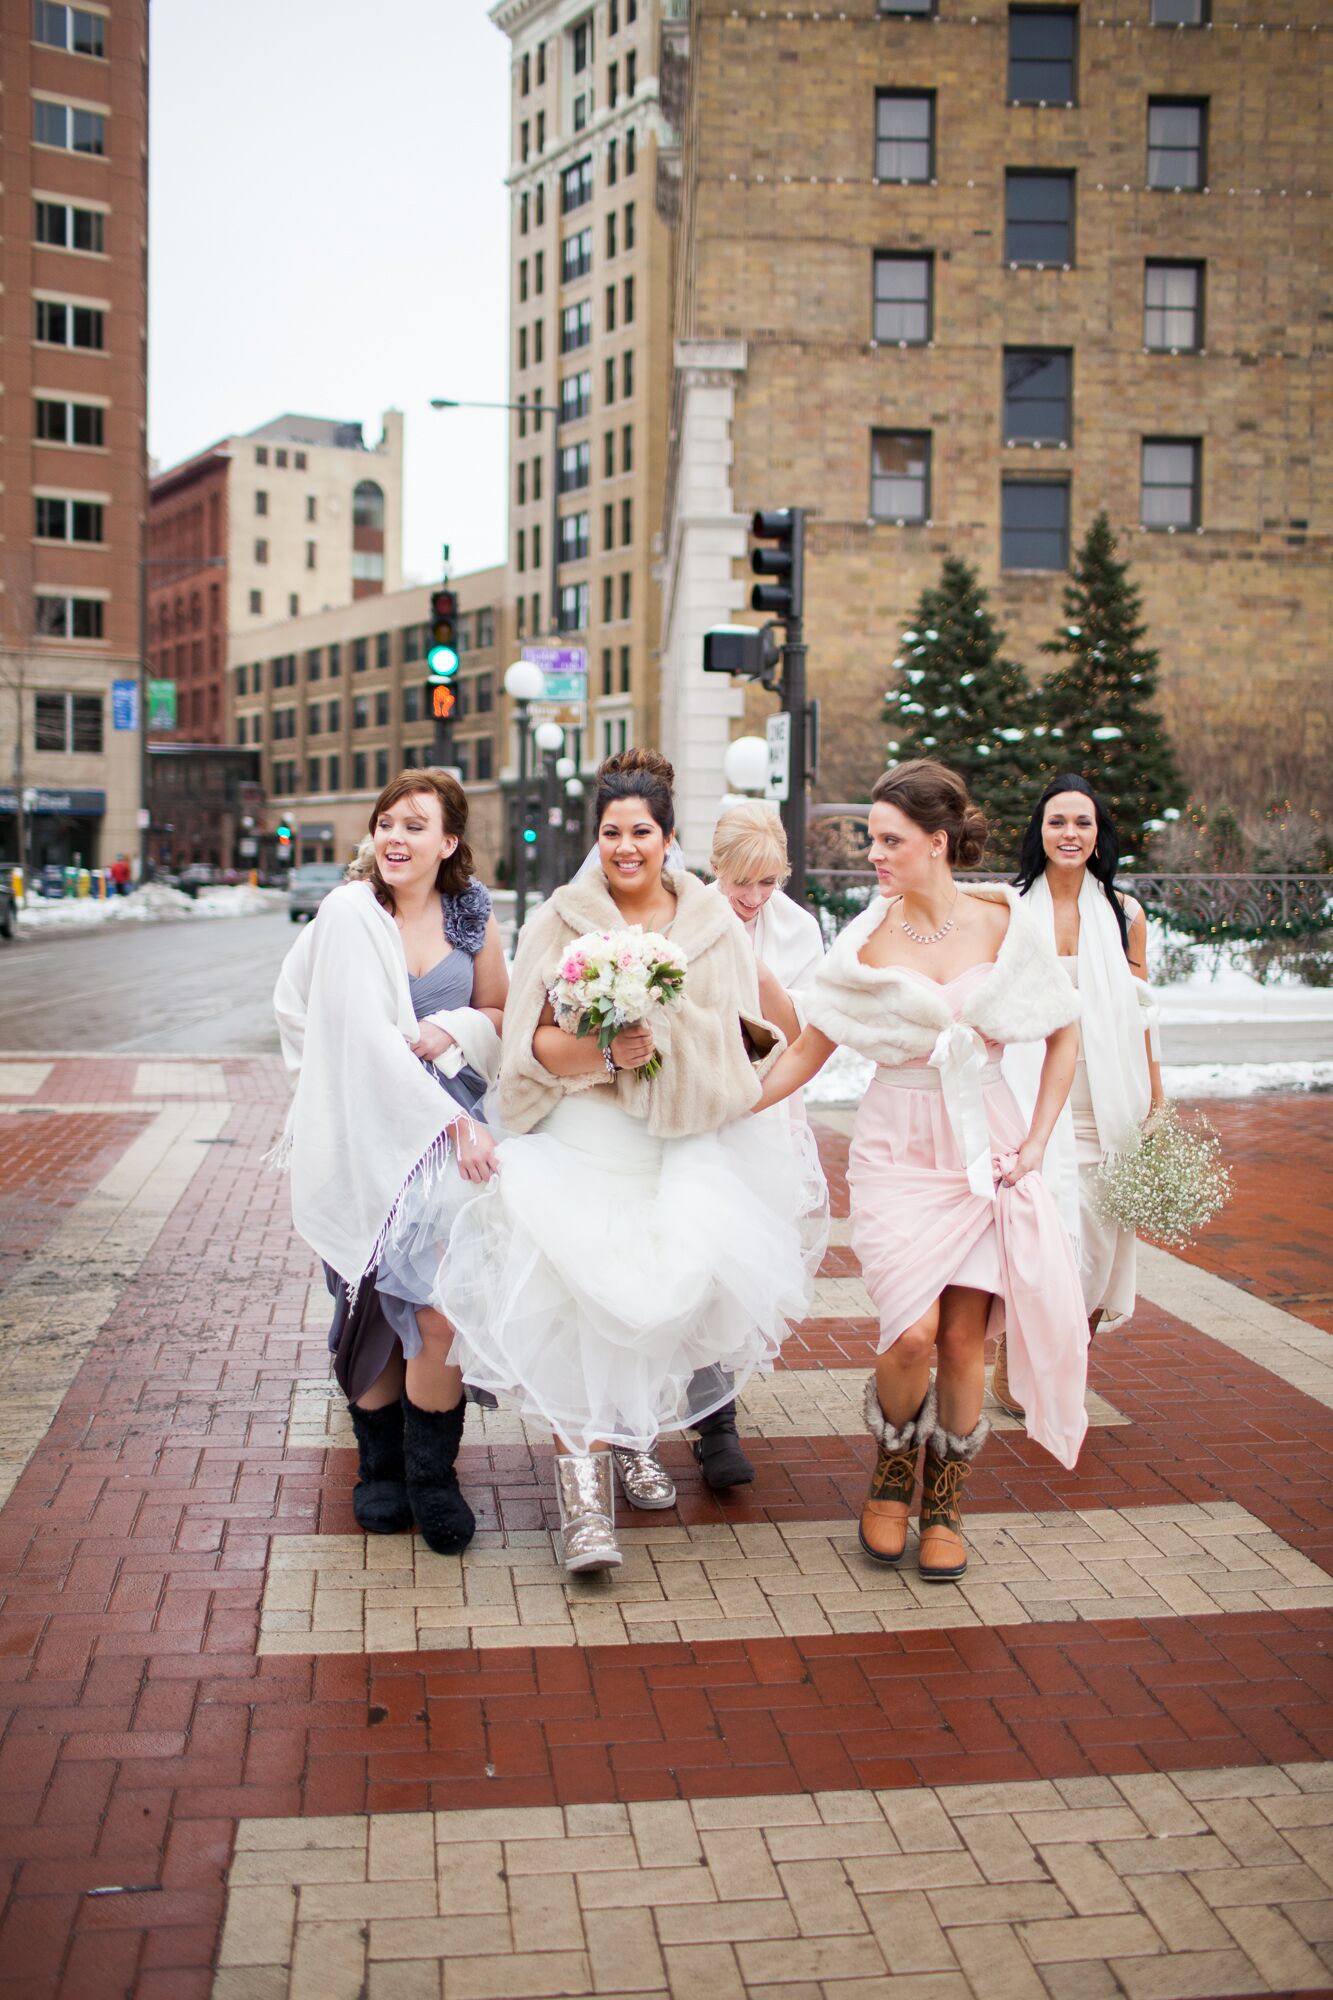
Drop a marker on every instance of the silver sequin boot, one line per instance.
(586, 1495)
(646, 1481)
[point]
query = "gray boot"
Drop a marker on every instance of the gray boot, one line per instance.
(586, 1493)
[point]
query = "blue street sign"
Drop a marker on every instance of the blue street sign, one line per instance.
(124, 704)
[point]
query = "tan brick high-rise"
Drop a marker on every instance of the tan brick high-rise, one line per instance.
(73, 358)
(953, 280)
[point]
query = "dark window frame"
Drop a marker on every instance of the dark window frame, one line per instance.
(895, 518)
(901, 257)
(1062, 175)
(1195, 518)
(1029, 94)
(1168, 102)
(1014, 397)
(1198, 309)
(899, 96)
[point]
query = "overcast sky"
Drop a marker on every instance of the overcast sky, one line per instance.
(329, 234)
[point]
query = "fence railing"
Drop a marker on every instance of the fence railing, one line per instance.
(1199, 906)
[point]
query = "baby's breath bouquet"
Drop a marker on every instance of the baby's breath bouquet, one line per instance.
(1169, 1185)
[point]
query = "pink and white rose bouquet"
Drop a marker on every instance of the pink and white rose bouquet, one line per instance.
(609, 980)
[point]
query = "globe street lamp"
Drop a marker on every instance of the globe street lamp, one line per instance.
(524, 683)
(746, 764)
(573, 815)
(549, 738)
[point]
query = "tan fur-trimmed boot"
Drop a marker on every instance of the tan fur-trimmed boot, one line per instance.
(942, 1556)
(888, 1504)
(999, 1381)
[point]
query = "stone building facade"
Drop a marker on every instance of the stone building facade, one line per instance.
(966, 273)
(73, 360)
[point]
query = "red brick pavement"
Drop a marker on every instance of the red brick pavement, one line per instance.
(47, 1165)
(139, 1722)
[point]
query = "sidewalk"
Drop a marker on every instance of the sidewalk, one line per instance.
(748, 1767)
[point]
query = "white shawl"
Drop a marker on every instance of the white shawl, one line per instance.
(1117, 1008)
(366, 1114)
(788, 940)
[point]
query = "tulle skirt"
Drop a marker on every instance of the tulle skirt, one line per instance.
(612, 1285)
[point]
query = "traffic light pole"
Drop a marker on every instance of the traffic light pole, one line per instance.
(794, 805)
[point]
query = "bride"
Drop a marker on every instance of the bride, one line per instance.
(638, 1253)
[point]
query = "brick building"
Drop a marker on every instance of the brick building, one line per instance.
(589, 332)
(73, 345)
(336, 705)
(967, 273)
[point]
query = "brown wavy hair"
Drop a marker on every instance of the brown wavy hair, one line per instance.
(639, 774)
(457, 869)
(936, 799)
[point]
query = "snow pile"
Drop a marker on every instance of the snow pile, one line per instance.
(154, 903)
(240, 901)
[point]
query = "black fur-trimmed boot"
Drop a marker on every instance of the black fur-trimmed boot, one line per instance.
(430, 1447)
(719, 1453)
(379, 1498)
(942, 1556)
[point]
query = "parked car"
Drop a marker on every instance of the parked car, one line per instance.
(8, 908)
(307, 887)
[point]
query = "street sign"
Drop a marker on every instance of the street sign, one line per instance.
(161, 704)
(143, 819)
(124, 704)
(565, 696)
(778, 731)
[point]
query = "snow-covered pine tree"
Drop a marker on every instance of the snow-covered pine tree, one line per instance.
(958, 699)
(1099, 706)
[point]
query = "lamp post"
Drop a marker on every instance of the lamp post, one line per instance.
(146, 563)
(573, 817)
(551, 410)
(549, 738)
(524, 683)
(746, 764)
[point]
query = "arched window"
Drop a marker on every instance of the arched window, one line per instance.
(368, 505)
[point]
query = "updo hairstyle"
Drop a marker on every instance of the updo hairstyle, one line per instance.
(749, 842)
(639, 774)
(457, 869)
(935, 798)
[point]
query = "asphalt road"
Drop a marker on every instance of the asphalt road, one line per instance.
(195, 986)
(204, 986)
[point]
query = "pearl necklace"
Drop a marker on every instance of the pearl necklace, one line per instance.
(919, 937)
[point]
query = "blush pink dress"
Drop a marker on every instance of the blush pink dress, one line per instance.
(916, 1226)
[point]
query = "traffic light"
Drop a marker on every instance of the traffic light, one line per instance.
(785, 527)
(284, 834)
(443, 700)
(442, 653)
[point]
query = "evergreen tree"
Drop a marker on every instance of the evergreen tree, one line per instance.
(960, 701)
(1099, 705)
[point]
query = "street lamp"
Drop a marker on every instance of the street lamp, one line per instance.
(549, 738)
(551, 410)
(573, 816)
(524, 683)
(746, 764)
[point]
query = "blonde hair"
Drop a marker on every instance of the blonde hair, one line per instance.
(749, 842)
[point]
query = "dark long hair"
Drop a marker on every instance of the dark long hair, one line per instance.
(1105, 858)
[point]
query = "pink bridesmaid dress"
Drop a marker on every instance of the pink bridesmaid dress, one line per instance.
(917, 1226)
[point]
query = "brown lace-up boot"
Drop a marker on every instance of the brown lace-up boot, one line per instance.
(942, 1556)
(999, 1380)
(888, 1504)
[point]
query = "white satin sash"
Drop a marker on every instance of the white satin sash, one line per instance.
(959, 1068)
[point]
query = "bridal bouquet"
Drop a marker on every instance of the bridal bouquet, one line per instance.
(609, 980)
(1169, 1185)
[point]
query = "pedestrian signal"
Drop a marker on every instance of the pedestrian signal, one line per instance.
(443, 700)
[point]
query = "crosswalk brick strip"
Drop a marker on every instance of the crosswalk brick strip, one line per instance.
(249, 1754)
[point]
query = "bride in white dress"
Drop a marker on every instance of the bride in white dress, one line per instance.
(638, 1254)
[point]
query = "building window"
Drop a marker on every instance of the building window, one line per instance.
(65, 126)
(261, 454)
(606, 668)
(70, 724)
(574, 607)
(608, 526)
(624, 670)
(1176, 139)
(298, 461)
(335, 715)
(541, 131)
(1173, 307)
(63, 227)
(256, 603)
(1170, 483)
(1036, 395)
(627, 374)
(367, 566)
(1041, 55)
(261, 551)
(314, 719)
(612, 86)
(917, 7)
(360, 655)
(575, 467)
(62, 325)
(485, 771)
(629, 225)
(575, 402)
(612, 149)
(538, 346)
(627, 301)
(904, 135)
(1038, 217)
(525, 73)
(61, 520)
(360, 771)
(382, 708)
(486, 690)
(609, 390)
(536, 611)
(524, 142)
(610, 317)
(521, 550)
(523, 347)
(626, 592)
(627, 448)
(626, 523)
(540, 206)
(360, 711)
(70, 423)
(1034, 532)
(537, 545)
(900, 476)
(631, 153)
(631, 74)
(524, 207)
(74, 28)
(314, 664)
(1180, 13)
(576, 256)
(335, 765)
(310, 552)
(608, 454)
(312, 774)
(575, 327)
(576, 185)
(69, 617)
(368, 505)
(903, 296)
(293, 604)
(261, 503)
(581, 39)
(608, 602)
(381, 649)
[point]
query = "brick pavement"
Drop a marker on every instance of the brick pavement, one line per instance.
(1071, 1796)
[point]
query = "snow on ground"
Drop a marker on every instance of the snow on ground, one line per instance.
(154, 903)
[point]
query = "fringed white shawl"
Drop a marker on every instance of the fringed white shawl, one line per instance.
(788, 940)
(366, 1114)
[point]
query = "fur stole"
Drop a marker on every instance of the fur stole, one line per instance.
(892, 1017)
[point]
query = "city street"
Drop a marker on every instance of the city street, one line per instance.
(250, 1754)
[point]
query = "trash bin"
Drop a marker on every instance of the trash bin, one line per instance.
(53, 880)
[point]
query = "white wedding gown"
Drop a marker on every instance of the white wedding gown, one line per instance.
(613, 1286)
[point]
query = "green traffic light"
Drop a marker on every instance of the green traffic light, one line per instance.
(442, 663)
(529, 836)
